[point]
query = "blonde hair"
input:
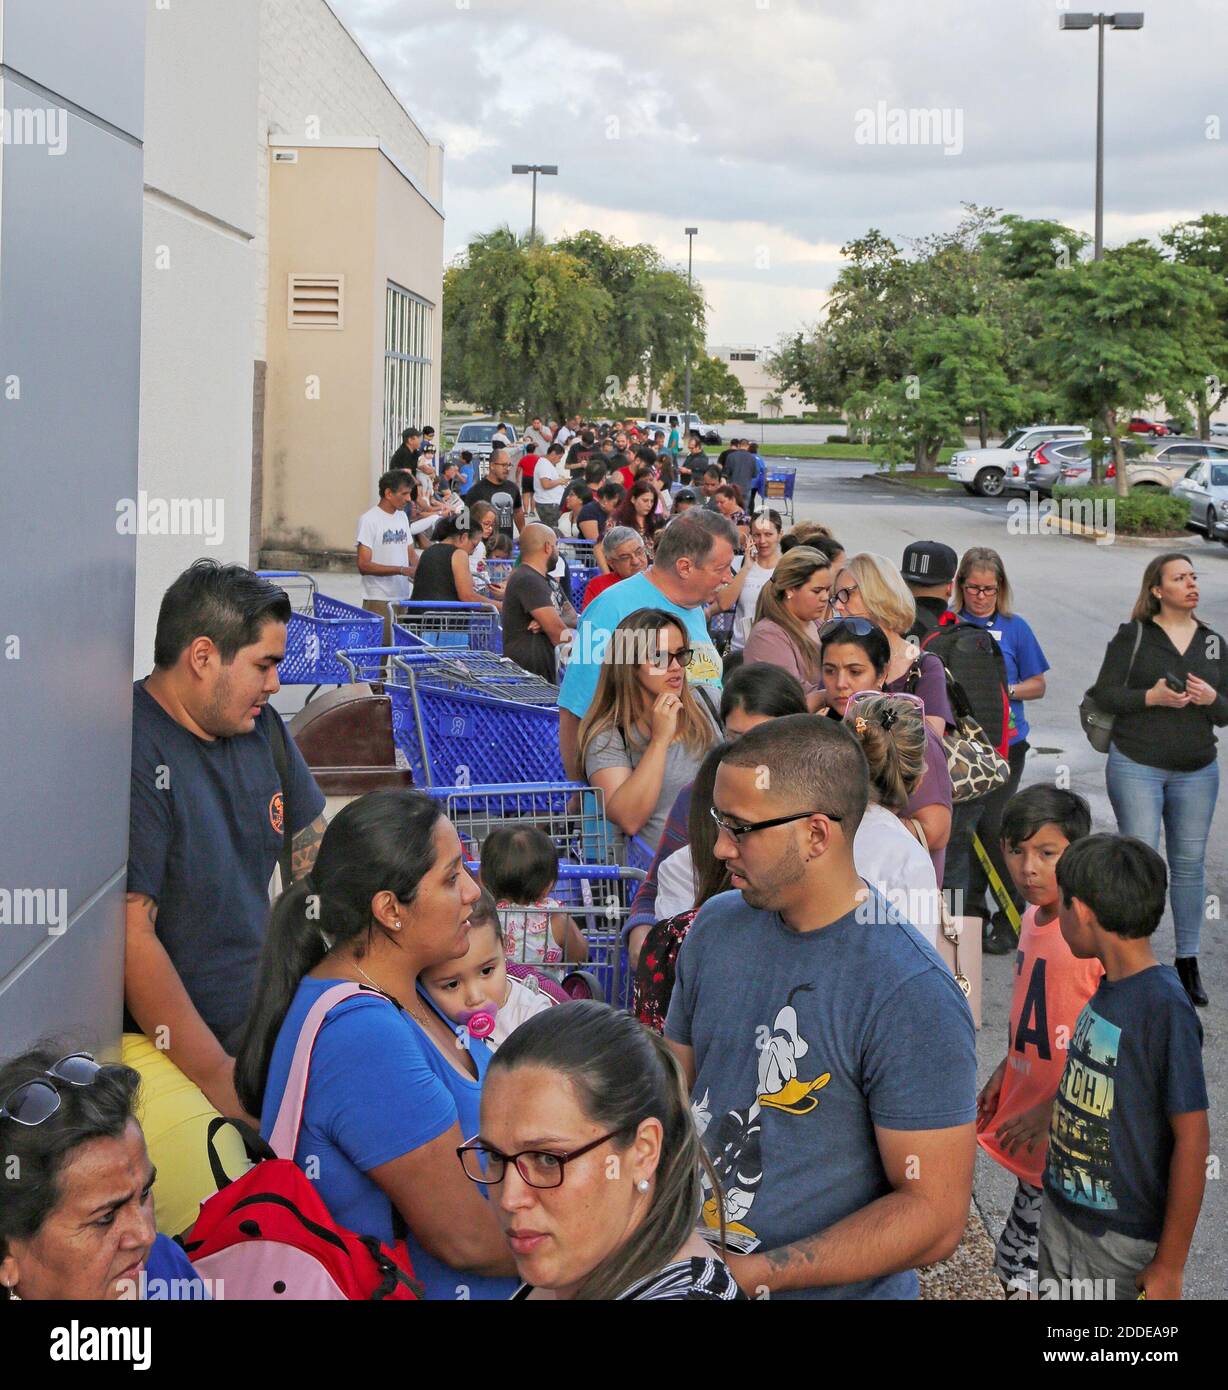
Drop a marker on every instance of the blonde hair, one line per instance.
(803, 532)
(980, 557)
(619, 701)
(792, 571)
(891, 731)
(886, 598)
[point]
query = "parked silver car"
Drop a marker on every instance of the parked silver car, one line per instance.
(1205, 489)
(475, 438)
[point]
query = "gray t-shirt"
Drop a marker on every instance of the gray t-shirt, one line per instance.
(804, 1042)
(610, 749)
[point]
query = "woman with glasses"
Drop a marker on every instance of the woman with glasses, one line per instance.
(589, 1151)
(792, 604)
(752, 695)
(856, 655)
(647, 729)
(390, 1094)
(76, 1186)
(1164, 679)
(983, 598)
(870, 586)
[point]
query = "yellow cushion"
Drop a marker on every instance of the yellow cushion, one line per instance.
(175, 1117)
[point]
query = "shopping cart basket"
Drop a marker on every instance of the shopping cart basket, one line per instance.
(318, 629)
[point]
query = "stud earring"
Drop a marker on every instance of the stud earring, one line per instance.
(642, 1185)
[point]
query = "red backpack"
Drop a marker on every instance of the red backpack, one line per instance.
(268, 1234)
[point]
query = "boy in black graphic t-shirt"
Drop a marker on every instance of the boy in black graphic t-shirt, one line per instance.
(1129, 1138)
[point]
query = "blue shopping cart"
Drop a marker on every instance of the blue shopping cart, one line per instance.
(438, 624)
(318, 629)
(779, 483)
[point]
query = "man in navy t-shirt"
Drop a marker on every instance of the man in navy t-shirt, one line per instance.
(831, 1055)
(206, 818)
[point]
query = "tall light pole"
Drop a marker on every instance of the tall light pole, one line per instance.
(691, 234)
(534, 169)
(1085, 20)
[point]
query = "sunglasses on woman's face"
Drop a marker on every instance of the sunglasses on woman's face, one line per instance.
(665, 659)
(36, 1101)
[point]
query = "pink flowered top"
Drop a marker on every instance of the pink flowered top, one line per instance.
(527, 937)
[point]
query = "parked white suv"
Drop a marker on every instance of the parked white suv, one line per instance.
(675, 419)
(985, 471)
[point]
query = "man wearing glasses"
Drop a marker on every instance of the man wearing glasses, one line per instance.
(831, 1054)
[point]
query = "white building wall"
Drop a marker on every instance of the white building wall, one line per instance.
(201, 88)
(754, 377)
(318, 84)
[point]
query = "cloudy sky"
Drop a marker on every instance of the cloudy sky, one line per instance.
(769, 123)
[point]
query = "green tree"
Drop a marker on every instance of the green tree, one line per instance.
(655, 315)
(1203, 243)
(524, 324)
(1121, 331)
(716, 393)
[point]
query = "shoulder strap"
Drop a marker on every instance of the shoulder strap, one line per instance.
(277, 742)
(705, 696)
(1138, 637)
(284, 1139)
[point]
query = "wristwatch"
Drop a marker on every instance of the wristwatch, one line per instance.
(1010, 691)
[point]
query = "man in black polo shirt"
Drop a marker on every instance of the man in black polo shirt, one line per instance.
(206, 819)
(407, 455)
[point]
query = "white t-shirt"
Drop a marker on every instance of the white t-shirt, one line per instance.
(888, 856)
(675, 884)
(523, 1001)
(386, 535)
(562, 435)
(748, 599)
(549, 483)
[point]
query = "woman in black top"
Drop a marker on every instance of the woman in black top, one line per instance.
(607, 1206)
(443, 574)
(1165, 678)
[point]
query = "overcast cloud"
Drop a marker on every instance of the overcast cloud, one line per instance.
(740, 117)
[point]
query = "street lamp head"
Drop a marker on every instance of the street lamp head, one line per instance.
(547, 168)
(1133, 20)
(691, 231)
(1076, 21)
(521, 169)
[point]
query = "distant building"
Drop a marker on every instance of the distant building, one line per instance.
(749, 365)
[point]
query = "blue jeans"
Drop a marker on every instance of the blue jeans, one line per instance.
(1144, 796)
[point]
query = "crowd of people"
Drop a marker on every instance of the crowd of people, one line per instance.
(816, 755)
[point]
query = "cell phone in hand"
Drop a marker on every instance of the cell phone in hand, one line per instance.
(1175, 683)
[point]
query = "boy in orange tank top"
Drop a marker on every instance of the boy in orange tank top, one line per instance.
(1051, 988)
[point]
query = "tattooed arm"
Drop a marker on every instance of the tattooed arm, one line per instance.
(157, 999)
(305, 846)
(920, 1221)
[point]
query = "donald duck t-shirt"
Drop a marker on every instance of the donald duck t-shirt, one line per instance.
(804, 1042)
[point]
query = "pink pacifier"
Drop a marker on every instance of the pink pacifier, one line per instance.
(481, 1023)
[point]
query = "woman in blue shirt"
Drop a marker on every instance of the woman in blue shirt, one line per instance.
(983, 598)
(392, 1090)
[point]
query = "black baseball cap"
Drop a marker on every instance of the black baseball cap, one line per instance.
(929, 562)
(685, 494)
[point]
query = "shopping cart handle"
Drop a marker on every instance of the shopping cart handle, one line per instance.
(283, 574)
(429, 605)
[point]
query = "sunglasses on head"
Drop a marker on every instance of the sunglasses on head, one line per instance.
(36, 1101)
(859, 627)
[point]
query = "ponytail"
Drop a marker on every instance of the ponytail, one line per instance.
(382, 842)
(891, 732)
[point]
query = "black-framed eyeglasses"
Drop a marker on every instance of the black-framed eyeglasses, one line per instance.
(859, 627)
(740, 831)
(36, 1101)
(981, 590)
(663, 659)
(537, 1167)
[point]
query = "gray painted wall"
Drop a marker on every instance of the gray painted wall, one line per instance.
(70, 316)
